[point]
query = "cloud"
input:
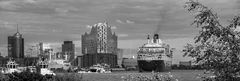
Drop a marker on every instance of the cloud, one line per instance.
(57, 30)
(15, 4)
(129, 22)
(152, 19)
(8, 5)
(88, 26)
(119, 21)
(7, 25)
(122, 35)
(30, 1)
(113, 27)
(125, 21)
(30, 6)
(61, 10)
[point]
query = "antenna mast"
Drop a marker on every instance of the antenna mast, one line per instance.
(17, 27)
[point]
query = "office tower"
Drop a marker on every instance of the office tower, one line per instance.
(16, 46)
(68, 48)
(44, 50)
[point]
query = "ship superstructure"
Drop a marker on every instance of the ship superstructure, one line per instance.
(154, 55)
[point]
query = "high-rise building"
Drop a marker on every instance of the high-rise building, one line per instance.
(99, 46)
(16, 46)
(44, 50)
(99, 40)
(41, 48)
(68, 48)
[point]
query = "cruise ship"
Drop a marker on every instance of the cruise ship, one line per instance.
(154, 56)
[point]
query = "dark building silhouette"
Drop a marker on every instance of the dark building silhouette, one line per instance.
(78, 62)
(68, 48)
(41, 48)
(119, 56)
(3, 61)
(16, 46)
(99, 46)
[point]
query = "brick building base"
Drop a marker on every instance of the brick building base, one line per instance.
(92, 59)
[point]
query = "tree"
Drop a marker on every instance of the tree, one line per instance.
(217, 47)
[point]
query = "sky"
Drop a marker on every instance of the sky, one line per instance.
(54, 21)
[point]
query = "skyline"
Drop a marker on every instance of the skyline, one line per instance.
(54, 21)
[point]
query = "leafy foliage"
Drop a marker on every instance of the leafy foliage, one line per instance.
(31, 76)
(3, 77)
(216, 47)
(69, 77)
(28, 76)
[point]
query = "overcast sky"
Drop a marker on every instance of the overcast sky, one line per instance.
(53, 21)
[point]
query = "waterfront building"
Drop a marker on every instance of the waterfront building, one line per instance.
(68, 48)
(16, 46)
(32, 51)
(44, 50)
(99, 46)
(185, 63)
(3, 61)
(129, 63)
(129, 52)
(79, 60)
(120, 57)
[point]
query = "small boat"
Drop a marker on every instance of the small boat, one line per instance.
(98, 68)
(95, 68)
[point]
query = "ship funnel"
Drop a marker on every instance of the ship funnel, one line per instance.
(155, 38)
(148, 39)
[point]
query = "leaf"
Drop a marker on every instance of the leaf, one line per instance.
(216, 47)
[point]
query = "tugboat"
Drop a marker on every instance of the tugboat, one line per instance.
(100, 68)
(95, 68)
(12, 66)
(154, 56)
